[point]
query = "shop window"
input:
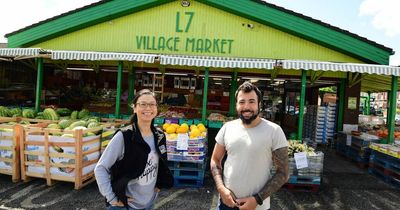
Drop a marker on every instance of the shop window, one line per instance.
(192, 83)
(176, 82)
(184, 83)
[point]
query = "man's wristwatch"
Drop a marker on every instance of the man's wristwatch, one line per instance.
(258, 199)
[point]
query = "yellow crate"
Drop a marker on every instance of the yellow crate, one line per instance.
(57, 155)
(394, 151)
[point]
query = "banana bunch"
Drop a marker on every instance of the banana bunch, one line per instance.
(296, 146)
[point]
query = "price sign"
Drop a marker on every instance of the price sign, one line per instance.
(348, 140)
(182, 142)
(301, 160)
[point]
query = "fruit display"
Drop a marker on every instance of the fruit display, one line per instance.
(296, 146)
(217, 117)
(184, 142)
(194, 131)
(178, 112)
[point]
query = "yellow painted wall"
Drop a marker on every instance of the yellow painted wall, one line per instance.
(209, 25)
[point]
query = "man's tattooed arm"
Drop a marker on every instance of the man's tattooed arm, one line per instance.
(215, 165)
(280, 159)
(217, 175)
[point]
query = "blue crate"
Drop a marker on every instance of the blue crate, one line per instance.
(385, 161)
(382, 176)
(293, 179)
(186, 165)
(188, 174)
(184, 183)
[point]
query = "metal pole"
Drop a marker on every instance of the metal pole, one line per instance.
(342, 87)
(205, 96)
(392, 110)
(232, 99)
(39, 83)
(131, 88)
(119, 90)
(302, 103)
(368, 103)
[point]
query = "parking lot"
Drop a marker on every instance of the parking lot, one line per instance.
(344, 186)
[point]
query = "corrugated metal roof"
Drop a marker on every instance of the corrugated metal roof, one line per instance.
(101, 56)
(217, 62)
(12, 52)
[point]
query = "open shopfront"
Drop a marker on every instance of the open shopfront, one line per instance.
(200, 52)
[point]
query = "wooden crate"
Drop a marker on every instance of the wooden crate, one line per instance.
(109, 128)
(53, 155)
(10, 139)
(9, 148)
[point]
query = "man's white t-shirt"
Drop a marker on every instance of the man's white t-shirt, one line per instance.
(247, 167)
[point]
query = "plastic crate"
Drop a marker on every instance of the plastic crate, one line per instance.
(172, 120)
(159, 120)
(187, 121)
(197, 121)
(215, 124)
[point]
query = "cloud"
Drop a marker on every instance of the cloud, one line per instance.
(385, 15)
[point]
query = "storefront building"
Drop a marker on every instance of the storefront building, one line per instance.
(205, 48)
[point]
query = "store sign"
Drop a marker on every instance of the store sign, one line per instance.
(184, 44)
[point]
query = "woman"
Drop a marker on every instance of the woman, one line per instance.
(134, 166)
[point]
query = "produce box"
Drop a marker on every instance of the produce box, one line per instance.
(315, 165)
(64, 155)
(109, 128)
(10, 137)
(9, 148)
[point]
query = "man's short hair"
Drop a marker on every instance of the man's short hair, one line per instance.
(247, 87)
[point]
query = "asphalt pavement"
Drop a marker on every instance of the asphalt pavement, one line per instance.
(344, 186)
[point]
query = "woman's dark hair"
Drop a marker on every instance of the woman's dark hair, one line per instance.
(140, 93)
(247, 87)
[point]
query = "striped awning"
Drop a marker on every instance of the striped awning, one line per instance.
(344, 67)
(217, 62)
(101, 56)
(14, 52)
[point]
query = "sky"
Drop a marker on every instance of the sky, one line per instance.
(376, 20)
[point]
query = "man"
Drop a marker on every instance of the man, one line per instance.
(252, 144)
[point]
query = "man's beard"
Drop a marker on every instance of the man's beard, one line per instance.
(249, 120)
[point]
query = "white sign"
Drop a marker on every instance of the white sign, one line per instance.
(301, 160)
(347, 128)
(348, 140)
(182, 143)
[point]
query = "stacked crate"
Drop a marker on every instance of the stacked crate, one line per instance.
(305, 179)
(355, 148)
(385, 165)
(54, 154)
(310, 121)
(187, 173)
(325, 126)
(187, 165)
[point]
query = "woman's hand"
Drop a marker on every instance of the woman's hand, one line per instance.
(157, 190)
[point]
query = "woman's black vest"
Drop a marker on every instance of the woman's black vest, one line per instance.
(132, 165)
